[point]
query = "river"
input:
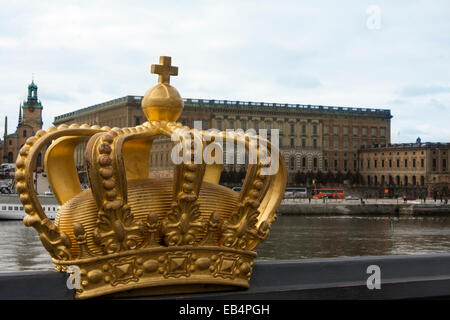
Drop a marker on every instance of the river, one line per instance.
(292, 237)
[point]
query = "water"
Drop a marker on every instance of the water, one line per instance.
(291, 238)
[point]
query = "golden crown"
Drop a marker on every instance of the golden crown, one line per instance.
(132, 232)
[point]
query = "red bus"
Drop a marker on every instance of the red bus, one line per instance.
(329, 193)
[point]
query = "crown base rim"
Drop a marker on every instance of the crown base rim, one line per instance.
(162, 271)
(171, 287)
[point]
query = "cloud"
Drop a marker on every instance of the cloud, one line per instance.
(420, 90)
(85, 52)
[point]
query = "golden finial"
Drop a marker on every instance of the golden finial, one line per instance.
(163, 102)
(164, 69)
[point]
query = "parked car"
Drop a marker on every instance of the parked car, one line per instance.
(409, 198)
(351, 198)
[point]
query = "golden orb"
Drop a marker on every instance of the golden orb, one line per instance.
(163, 102)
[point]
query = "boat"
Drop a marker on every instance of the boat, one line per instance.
(12, 209)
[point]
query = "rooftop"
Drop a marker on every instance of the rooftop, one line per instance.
(408, 146)
(230, 105)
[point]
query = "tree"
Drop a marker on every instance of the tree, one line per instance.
(309, 177)
(300, 178)
(330, 178)
(320, 178)
(339, 178)
(349, 176)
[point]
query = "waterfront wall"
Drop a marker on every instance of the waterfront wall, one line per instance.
(374, 209)
(401, 277)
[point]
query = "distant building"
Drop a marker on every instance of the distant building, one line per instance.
(407, 164)
(30, 121)
(312, 138)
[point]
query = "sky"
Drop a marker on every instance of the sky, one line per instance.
(378, 54)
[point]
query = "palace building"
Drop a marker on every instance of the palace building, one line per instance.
(416, 164)
(312, 138)
(30, 122)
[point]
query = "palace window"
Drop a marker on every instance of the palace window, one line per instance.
(345, 143)
(326, 143)
(364, 131)
(292, 163)
(292, 142)
(406, 163)
(219, 124)
(326, 164)
(434, 164)
(314, 143)
(355, 144)
(355, 131)
(390, 163)
(24, 133)
(335, 164)
(336, 142)
(304, 143)
(206, 124)
(292, 127)
(315, 129)
(374, 132)
(382, 163)
(345, 165)
(414, 164)
(326, 129)
(355, 165)
(303, 162)
(345, 129)
(422, 163)
(315, 163)
(444, 164)
(231, 123)
(335, 129)
(303, 128)
(383, 132)
(375, 163)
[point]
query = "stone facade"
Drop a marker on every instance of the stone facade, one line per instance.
(312, 138)
(414, 164)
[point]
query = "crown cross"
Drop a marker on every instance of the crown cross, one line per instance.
(164, 69)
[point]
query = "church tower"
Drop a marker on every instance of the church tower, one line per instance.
(30, 122)
(32, 111)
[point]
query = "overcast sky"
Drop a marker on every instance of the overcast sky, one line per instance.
(307, 52)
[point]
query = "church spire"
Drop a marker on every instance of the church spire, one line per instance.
(20, 114)
(5, 135)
